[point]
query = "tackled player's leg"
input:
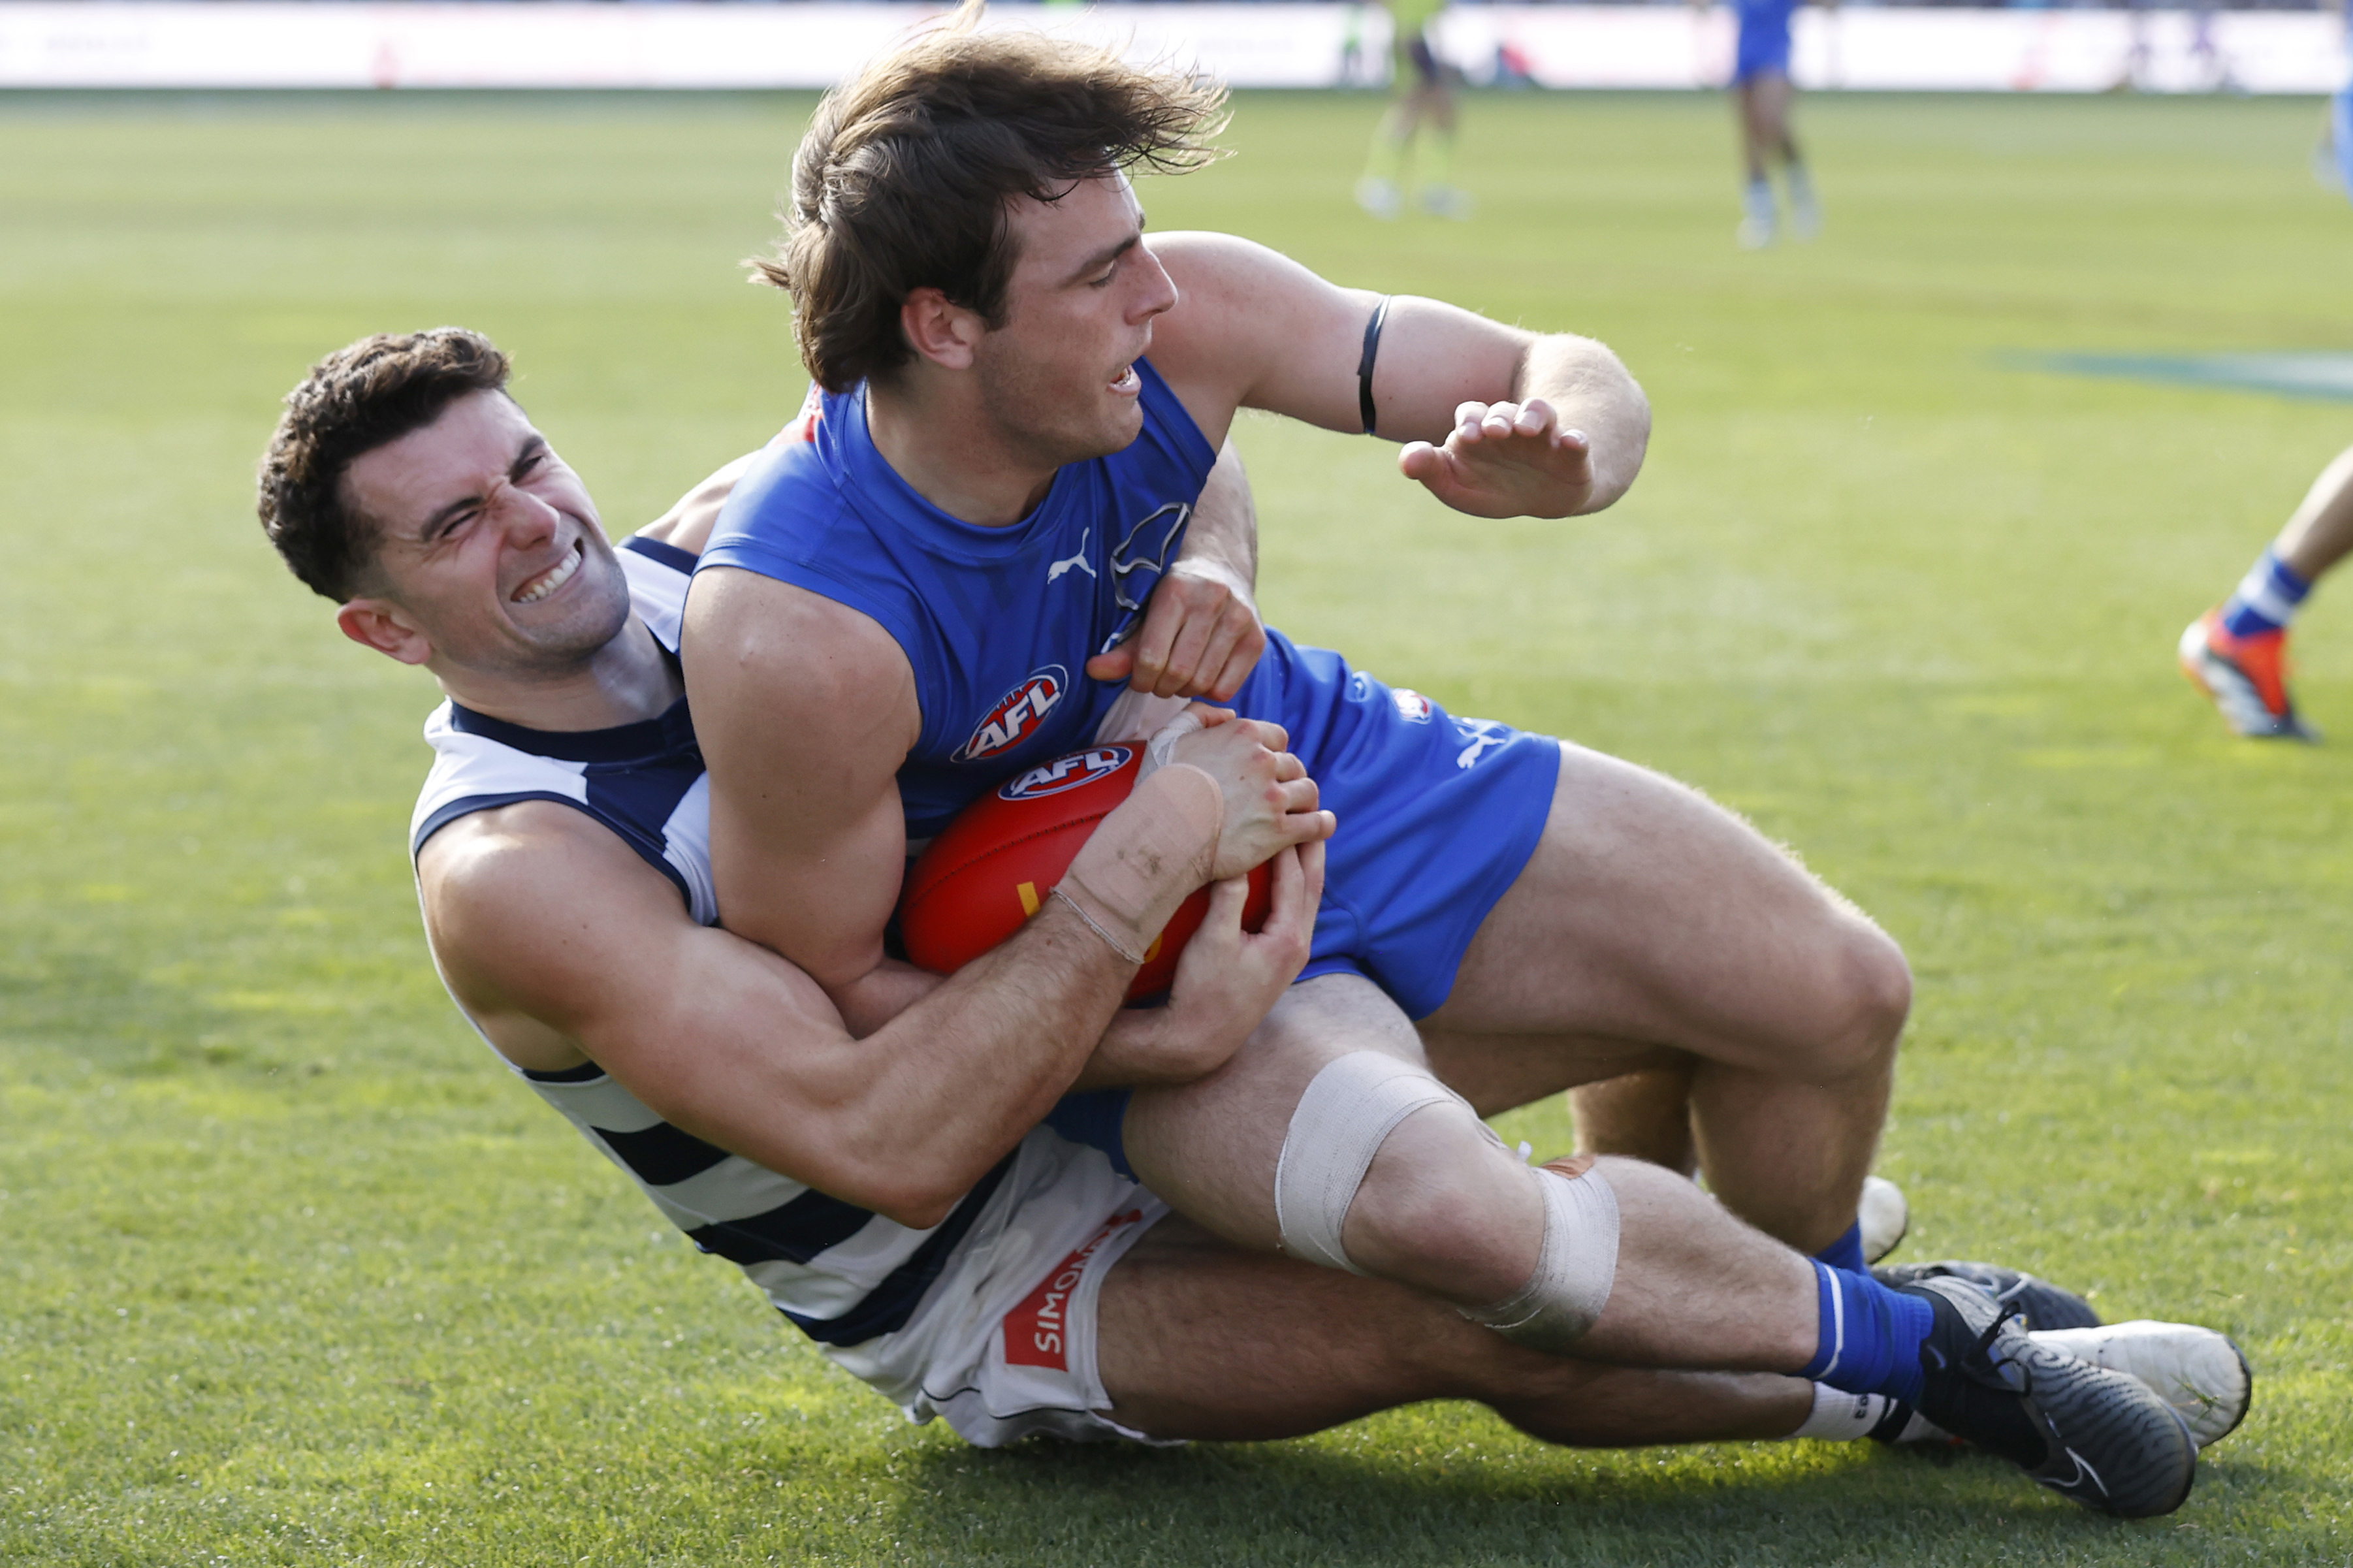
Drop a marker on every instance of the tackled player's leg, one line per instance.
(1653, 929)
(1200, 1339)
(1620, 1261)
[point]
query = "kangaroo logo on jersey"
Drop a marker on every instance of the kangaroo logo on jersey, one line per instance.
(1016, 715)
(1066, 772)
(1139, 559)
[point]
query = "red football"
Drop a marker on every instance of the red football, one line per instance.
(991, 868)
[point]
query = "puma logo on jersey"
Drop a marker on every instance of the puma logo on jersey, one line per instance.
(1016, 715)
(1066, 772)
(1054, 569)
(1481, 733)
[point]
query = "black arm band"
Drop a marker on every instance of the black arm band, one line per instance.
(1365, 365)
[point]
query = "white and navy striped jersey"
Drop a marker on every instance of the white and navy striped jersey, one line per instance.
(841, 1273)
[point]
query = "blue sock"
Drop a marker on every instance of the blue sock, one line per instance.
(2266, 599)
(1870, 1336)
(1846, 1252)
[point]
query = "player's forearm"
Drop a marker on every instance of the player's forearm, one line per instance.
(887, 990)
(904, 1121)
(1142, 1048)
(1592, 391)
(1224, 526)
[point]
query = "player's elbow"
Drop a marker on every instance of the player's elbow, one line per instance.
(916, 1198)
(1621, 434)
(918, 1214)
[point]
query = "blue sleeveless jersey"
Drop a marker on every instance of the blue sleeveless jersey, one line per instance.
(1437, 814)
(999, 623)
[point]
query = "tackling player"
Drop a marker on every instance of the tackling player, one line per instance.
(2237, 652)
(993, 1278)
(903, 592)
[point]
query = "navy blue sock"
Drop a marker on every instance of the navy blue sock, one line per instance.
(1846, 1252)
(1870, 1336)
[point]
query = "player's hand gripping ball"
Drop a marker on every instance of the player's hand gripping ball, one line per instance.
(992, 867)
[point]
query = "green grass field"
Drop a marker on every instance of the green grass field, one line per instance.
(291, 1272)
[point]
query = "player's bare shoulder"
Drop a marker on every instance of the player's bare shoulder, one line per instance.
(1253, 328)
(755, 638)
(529, 906)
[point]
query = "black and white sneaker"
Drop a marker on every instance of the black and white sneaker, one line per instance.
(2042, 1304)
(2202, 1374)
(2099, 1437)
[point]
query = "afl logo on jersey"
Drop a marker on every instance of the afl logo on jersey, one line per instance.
(1411, 706)
(1066, 772)
(1016, 715)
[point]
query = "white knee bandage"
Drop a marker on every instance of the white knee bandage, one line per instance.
(1348, 1111)
(1574, 1272)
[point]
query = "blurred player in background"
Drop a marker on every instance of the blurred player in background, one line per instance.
(1761, 94)
(2333, 159)
(1423, 106)
(2237, 652)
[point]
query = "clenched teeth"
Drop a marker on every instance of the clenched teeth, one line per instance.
(548, 581)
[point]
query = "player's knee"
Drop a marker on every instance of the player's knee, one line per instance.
(1871, 987)
(1431, 1228)
(1444, 1209)
(1385, 1170)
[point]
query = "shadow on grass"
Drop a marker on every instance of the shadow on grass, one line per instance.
(1508, 1502)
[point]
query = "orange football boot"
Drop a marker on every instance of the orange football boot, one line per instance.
(2245, 677)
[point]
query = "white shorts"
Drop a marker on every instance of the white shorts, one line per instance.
(1004, 1344)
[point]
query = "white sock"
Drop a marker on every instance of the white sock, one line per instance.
(1842, 1417)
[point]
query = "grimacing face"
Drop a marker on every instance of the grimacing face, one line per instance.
(1061, 373)
(489, 555)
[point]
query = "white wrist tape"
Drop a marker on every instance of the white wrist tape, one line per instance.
(1147, 857)
(1340, 1123)
(1161, 750)
(1574, 1272)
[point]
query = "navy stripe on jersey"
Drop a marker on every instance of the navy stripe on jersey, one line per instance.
(889, 1304)
(670, 555)
(586, 1072)
(789, 1233)
(649, 741)
(662, 1154)
(633, 778)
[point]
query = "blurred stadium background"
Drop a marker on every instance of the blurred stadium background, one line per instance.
(1278, 43)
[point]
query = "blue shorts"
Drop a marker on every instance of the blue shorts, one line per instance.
(1764, 39)
(1437, 817)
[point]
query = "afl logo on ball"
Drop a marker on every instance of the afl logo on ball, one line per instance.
(1016, 715)
(1066, 772)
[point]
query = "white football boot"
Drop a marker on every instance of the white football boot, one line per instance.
(2201, 1373)
(1885, 1218)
